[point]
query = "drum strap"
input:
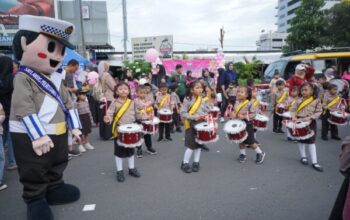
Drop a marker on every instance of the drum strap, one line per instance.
(292, 103)
(304, 103)
(332, 103)
(163, 101)
(193, 109)
(241, 105)
(282, 98)
(118, 115)
(256, 102)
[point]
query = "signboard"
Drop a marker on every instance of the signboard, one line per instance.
(195, 65)
(6, 39)
(163, 44)
(11, 9)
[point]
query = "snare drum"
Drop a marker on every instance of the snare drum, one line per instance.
(235, 130)
(130, 135)
(206, 133)
(263, 106)
(260, 122)
(300, 130)
(150, 127)
(165, 115)
(215, 112)
(287, 116)
(337, 118)
(281, 108)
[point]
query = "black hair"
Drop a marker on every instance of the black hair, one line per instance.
(73, 62)
(277, 72)
(173, 87)
(295, 89)
(322, 77)
(122, 83)
(312, 86)
(232, 82)
(280, 83)
(178, 66)
(325, 85)
(332, 86)
(228, 64)
(211, 74)
(188, 72)
(191, 86)
(249, 91)
(203, 71)
(163, 85)
(221, 71)
(250, 82)
(17, 47)
(142, 87)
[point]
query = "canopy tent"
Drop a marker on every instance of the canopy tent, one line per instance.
(71, 54)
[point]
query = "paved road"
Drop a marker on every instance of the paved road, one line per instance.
(281, 188)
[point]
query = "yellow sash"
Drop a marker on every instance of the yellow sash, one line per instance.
(162, 102)
(332, 103)
(118, 115)
(256, 102)
(241, 105)
(282, 98)
(304, 103)
(193, 109)
(291, 104)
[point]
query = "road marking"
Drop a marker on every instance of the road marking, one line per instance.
(90, 207)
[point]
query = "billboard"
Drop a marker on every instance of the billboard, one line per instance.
(163, 44)
(11, 9)
(195, 65)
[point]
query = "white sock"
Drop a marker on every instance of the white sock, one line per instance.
(313, 154)
(187, 156)
(258, 150)
(242, 151)
(197, 155)
(301, 147)
(254, 135)
(119, 163)
(131, 162)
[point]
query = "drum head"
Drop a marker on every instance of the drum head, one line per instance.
(264, 103)
(261, 117)
(165, 111)
(204, 126)
(131, 128)
(287, 115)
(337, 114)
(234, 126)
(299, 124)
(154, 122)
(342, 85)
(215, 109)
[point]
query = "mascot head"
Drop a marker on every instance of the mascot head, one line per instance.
(41, 41)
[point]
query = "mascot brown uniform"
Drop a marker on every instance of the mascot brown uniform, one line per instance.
(41, 114)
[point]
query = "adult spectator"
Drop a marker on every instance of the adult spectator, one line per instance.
(229, 76)
(276, 77)
(108, 85)
(6, 89)
(189, 77)
(331, 73)
(178, 78)
(346, 75)
(159, 76)
(207, 78)
(298, 78)
(68, 76)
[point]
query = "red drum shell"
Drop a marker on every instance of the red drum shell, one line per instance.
(259, 124)
(237, 136)
(150, 128)
(165, 118)
(337, 120)
(206, 136)
(129, 138)
(214, 114)
(300, 132)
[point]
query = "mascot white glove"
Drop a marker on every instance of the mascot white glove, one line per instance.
(42, 145)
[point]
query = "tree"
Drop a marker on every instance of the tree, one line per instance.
(337, 20)
(307, 27)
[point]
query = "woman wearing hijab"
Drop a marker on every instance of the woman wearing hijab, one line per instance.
(108, 84)
(6, 89)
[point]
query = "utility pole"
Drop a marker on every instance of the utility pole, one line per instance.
(83, 50)
(221, 39)
(125, 30)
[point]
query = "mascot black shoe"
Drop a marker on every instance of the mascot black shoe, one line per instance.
(42, 113)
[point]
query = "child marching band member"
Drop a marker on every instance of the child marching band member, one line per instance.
(176, 109)
(255, 104)
(164, 101)
(308, 108)
(144, 112)
(86, 121)
(245, 111)
(322, 86)
(278, 98)
(231, 92)
(331, 102)
(292, 98)
(192, 112)
(120, 112)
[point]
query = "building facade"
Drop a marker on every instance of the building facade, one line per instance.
(286, 12)
(271, 41)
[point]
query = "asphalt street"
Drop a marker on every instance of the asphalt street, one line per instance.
(280, 188)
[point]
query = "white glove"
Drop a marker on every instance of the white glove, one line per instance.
(42, 145)
(76, 134)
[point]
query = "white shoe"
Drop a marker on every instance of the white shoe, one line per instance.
(222, 119)
(88, 146)
(2, 186)
(81, 149)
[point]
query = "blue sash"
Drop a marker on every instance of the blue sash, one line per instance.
(45, 85)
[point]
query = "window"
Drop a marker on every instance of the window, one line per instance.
(291, 11)
(277, 40)
(270, 70)
(292, 2)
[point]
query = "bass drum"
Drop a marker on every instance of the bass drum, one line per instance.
(342, 85)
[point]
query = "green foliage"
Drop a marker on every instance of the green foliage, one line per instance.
(185, 56)
(338, 25)
(243, 82)
(308, 27)
(249, 70)
(138, 67)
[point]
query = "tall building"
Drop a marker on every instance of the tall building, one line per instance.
(271, 41)
(286, 11)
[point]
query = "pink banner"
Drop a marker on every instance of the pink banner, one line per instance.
(195, 65)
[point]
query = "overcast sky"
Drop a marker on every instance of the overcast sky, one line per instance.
(194, 23)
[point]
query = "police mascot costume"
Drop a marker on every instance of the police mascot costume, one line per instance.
(41, 114)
